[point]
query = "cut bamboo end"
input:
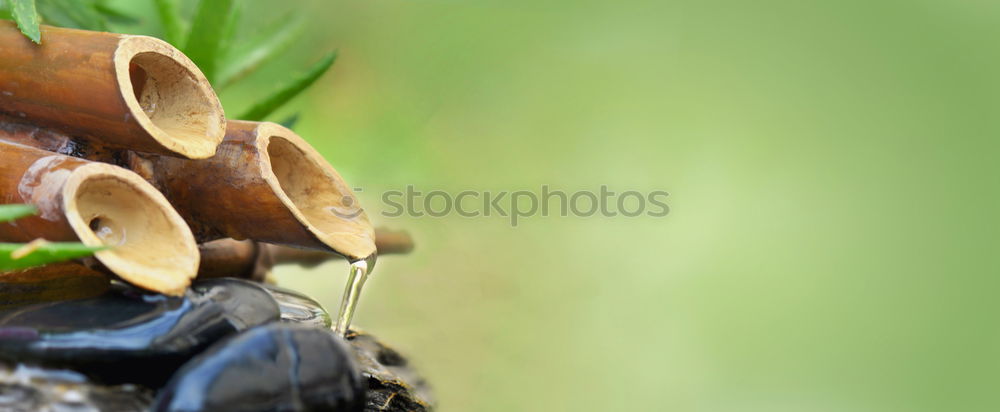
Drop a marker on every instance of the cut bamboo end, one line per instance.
(150, 245)
(120, 91)
(314, 192)
(169, 97)
(283, 190)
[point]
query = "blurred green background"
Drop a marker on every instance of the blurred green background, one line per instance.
(831, 246)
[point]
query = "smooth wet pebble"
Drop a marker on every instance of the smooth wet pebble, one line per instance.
(128, 335)
(275, 367)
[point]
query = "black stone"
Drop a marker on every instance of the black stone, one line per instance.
(275, 367)
(127, 335)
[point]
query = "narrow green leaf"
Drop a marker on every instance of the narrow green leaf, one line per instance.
(205, 38)
(290, 121)
(77, 14)
(13, 212)
(230, 32)
(287, 92)
(47, 253)
(5, 11)
(170, 18)
(115, 15)
(263, 47)
(24, 13)
(85, 14)
(54, 16)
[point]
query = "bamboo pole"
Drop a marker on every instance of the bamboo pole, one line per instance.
(50, 283)
(99, 204)
(54, 141)
(254, 260)
(265, 183)
(241, 258)
(132, 92)
(235, 258)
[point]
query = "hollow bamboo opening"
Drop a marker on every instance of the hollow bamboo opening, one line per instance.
(169, 97)
(149, 244)
(318, 197)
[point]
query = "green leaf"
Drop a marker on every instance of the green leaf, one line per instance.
(115, 15)
(12, 212)
(290, 121)
(26, 16)
(170, 19)
(205, 39)
(229, 32)
(47, 253)
(77, 14)
(287, 92)
(5, 11)
(263, 47)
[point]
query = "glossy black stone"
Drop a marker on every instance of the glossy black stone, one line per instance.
(298, 308)
(127, 335)
(275, 367)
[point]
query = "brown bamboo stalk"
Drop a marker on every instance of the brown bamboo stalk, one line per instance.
(49, 283)
(386, 242)
(99, 204)
(54, 141)
(235, 258)
(252, 189)
(265, 183)
(254, 260)
(133, 92)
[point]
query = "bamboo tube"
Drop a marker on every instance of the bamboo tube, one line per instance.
(126, 91)
(99, 204)
(50, 283)
(51, 140)
(235, 258)
(386, 242)
(254, 260)
(242, 258)
(265, 183)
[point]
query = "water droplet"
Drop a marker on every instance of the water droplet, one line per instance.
(107, 230)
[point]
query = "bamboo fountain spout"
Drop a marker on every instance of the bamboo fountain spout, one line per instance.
(99, 205)
(265, 183)
(132, 92)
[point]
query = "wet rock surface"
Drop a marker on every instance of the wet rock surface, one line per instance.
(33, 389)
(215, 332)
(294, 367)
(130, 336)
(392, 385)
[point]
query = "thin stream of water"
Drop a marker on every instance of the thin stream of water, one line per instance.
(360, 270)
